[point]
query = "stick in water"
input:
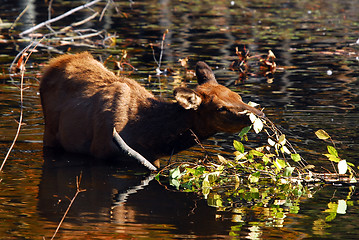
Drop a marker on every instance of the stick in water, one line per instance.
(132, 153)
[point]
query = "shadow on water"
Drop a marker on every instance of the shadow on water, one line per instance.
(129, 199)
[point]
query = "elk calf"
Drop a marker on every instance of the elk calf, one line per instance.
(83, 102)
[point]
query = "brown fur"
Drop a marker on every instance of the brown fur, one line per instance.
(82, 102)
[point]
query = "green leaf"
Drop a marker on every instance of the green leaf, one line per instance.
(199, 170)
(252, 104)
(321, 134)
(284, 149)
(294, 209)
(332, 157)
(238, 146)
(174, 173)
(206, 183)
(222, 160)
(282, 140)
(351, 164)
(332, 207)
(252, 117)
(258, 125)
(191, 171)
(279, 164)
(331, 217)
(266, 159)
(332, 151)
(256, 153)
(342, 207)
(295, 157)
(342, 167)
(254, 178)
(244, 131)
(206, 187)
(271, 142)
(175, 183)
(288, 171)
(206, 191)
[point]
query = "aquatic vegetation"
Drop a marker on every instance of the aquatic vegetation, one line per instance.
(272, 174)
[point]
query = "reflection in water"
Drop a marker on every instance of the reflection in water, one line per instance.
(123, 199)
(130, 204)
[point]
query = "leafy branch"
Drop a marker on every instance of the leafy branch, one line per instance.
(255, 175)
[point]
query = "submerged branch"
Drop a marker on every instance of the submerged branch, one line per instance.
(132, 153)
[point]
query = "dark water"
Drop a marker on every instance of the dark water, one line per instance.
(315, 86)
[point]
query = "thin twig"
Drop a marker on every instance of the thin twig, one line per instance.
(104, 10)
(78, 190)
(78, 37)
(158, 69)
(302, 163)
(85, 20)
(200, 144)
(49, 10)
(162, 46)
(18, 17)
(21, 103)
(49, 16)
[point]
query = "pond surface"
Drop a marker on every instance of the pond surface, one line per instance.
(315, 86)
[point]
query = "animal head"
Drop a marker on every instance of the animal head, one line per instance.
(217, 108)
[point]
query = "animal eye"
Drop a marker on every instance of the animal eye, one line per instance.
(222, 109)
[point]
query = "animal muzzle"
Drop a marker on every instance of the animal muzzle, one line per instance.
(253, 110)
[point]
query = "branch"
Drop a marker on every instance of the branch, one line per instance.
(59, 17)
(23, 63)
(130, 152)
(78, 190)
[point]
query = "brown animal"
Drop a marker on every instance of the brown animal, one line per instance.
(83, 102)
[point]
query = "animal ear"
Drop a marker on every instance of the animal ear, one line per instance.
(204, 74)
(187, 98)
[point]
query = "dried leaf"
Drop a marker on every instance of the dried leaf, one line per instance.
(271, 54)
(183, 61)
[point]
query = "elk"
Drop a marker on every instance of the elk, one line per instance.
(88, 109)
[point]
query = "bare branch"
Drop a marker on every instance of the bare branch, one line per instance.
(59, 17)
(85, 20)
(18, 17)
(78, 190)
(21, 101)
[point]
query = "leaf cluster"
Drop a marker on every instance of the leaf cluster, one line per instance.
(257, 176)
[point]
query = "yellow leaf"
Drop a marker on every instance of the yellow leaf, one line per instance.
(321, 134)
(222, 159)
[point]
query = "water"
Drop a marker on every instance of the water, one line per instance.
(315, 86)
